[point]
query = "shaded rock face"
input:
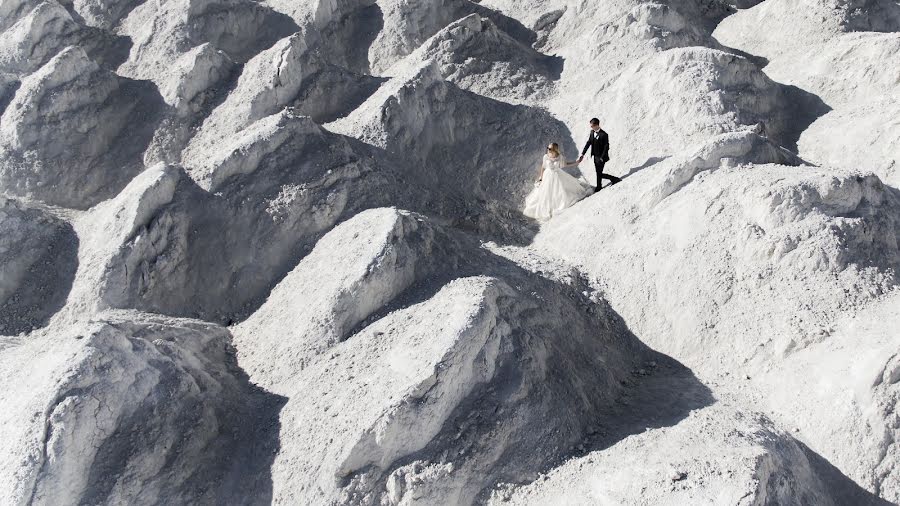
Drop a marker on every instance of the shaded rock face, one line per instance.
(34, 32)
(74, 133)
(477, 56)
(38, 259)
(139, 400)
(420, 116)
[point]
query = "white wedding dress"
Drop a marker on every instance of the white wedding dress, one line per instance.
(557, 191)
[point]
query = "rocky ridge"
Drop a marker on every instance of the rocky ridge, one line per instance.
(272, 253)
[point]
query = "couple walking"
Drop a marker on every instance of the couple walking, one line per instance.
(557, 189)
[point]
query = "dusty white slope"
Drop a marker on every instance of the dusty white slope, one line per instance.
(846, 63)
(672, 466)
(251, 164)
(733, 276)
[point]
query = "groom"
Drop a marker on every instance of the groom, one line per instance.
(599, 144)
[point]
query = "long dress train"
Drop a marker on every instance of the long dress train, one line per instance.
(557, 191)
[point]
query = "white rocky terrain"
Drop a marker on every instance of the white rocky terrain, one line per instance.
(272, 252)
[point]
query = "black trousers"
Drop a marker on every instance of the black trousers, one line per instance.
(598, 164)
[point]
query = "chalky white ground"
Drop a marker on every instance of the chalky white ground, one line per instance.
(272, 252)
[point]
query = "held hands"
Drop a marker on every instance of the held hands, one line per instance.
(580, 158)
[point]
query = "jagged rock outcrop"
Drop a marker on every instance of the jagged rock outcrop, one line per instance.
(132, 408)
(74, 133)
(38, 258)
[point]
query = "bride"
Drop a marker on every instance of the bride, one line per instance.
(557, 190)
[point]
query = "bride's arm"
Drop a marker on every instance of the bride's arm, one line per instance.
(540, 172)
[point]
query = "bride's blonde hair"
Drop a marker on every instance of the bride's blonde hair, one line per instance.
(553, 148)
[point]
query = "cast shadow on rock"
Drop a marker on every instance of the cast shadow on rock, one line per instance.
(45, 286)
(237, 462)
(841, 488)
(355, 33)
(658, 391)
(806, 108)
(511, 26)
(653, 160)
(107, 49)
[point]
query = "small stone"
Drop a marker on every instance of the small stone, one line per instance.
(676, 475)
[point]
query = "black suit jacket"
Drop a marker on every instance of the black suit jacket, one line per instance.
(599, 147)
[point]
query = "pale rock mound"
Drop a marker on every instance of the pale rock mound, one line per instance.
(755, 463)
(796, 26)
(35, 32)
(163, 31)
(457, 135)
(343, 29)
(131, 408)
(680, 97)
(286, 75)
(9, 83)
(11, 11)
(194, 75)
(854, 73)
(74, 133)
(433, 390)
(177, 249)
(36, 37)
(38, 258)
(477, 56)
(104, 14)
(864, 135)
(842, 392)
(407, 24)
